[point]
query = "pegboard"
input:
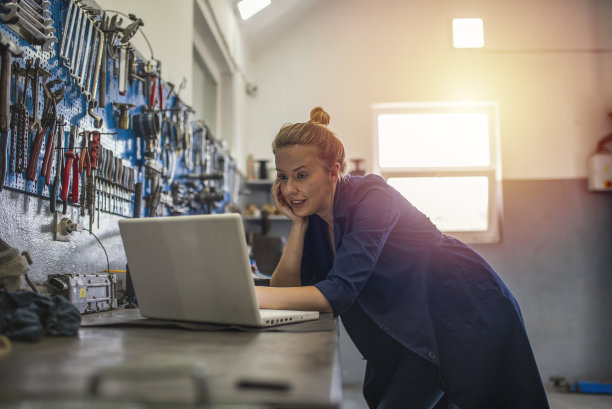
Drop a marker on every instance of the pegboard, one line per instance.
(180, 166)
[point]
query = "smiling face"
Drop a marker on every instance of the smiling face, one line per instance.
(305, 183)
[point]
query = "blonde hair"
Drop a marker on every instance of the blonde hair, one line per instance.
(314, 133)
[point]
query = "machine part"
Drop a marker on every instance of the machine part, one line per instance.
(87, 292)
(14, 266)
(124, 116)
(600, 172)
(146, 125)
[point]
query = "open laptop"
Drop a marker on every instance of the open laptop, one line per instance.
(196, 268)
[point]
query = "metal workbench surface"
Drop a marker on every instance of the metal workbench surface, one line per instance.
(161, 364)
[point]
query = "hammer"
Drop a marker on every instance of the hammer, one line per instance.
(9, 49)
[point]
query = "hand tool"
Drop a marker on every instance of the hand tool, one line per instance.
(68, 30)
(96, 70)
(155, 89)
(22, 124)
(98, 120)
(71, 165)
(84, 165)
(39, 7)
(19, 11)
(60, 165)
(29, 25)
(87, 81)
(130, 30)
(83, 83)
(124, 117)
(76, 39)
(103, 25)
(55, 97)
(123, 69)
(94, 153)
(35, 121)
(9, 49)
(82, 54)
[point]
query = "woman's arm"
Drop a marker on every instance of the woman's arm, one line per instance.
(307, 298)
(287, 272)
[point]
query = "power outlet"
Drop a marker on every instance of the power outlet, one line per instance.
(63, 227)
(57, 228)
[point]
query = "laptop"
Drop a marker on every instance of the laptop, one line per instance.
(196, 268)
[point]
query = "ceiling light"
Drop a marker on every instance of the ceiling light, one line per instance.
(248, 8)
(468, 33)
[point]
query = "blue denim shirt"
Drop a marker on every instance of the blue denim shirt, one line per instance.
(431, 293)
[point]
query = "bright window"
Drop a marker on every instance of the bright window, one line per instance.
(444, 157)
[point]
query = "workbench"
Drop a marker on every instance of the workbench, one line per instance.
(149, 364)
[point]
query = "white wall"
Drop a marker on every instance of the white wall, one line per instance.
(170, 32)
(169, 26)
(348, 54)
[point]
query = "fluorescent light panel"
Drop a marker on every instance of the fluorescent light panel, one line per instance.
(248, 8)
(468, 33)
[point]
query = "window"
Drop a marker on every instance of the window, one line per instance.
(444, 158)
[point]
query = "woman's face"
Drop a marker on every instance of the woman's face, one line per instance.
(305, 183)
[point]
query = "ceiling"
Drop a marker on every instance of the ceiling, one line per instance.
(264, 27)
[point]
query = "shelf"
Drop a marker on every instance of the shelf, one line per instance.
(260, 182)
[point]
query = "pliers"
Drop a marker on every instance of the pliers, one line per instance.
(71, 164)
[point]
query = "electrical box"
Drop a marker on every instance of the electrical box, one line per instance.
(600, 172)
(87, 292)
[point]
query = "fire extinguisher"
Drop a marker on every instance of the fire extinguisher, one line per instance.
(600, 167)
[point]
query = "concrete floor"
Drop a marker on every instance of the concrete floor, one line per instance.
(558, 400)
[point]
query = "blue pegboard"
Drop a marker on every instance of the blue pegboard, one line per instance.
(192, 163)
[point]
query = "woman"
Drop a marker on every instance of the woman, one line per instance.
(435, 323)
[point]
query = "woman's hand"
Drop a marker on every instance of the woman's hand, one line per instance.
(282, 204)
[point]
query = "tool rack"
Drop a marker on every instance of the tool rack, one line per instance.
(122, 135)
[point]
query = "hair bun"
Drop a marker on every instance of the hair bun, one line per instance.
(319, 116)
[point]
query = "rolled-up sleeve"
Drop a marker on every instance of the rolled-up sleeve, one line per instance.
(370, 217)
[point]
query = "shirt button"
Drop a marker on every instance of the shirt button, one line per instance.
(431, 355)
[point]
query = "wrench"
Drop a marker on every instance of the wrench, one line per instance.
(16, 12)
(68, 29)
(75, 42)
(35, 121)
(26, 29)
(79, 43)
(43, 16)
(87, 85)
(9, 49)
(41, 8)
(77, 62)
(96, 76)
(88, 51)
